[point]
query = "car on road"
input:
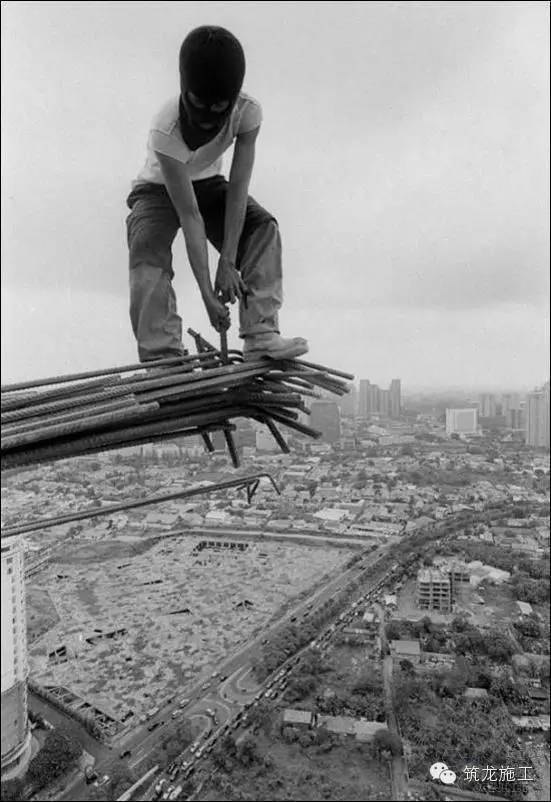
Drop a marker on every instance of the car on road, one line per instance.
(175, 713)
(154, 725)
(205, 686)
(90, 774)
(223, 677)
(183, 702)
(125, 753)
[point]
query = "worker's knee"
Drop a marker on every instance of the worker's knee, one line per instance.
(148, 247)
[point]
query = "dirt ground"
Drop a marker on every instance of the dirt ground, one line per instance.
(41, 612)
(182, 610)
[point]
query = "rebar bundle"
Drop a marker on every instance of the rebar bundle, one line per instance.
(196, 394)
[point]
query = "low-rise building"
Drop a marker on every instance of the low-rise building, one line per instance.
(405, 650)
(525, 608)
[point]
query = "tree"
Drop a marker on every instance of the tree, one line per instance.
(121, 778)
(59, 752)
(389, 742)
(393, 630)
(12, 790)
(407, 667)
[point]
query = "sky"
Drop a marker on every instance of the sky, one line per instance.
(404, 152)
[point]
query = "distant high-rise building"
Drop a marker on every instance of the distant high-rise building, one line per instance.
(348, 403)
(373, 400)
(509, 401)
(487, 405)
(325, 417)
(16, 733)
(461, 421)
(384, 403)
(515, 419)
(537, 418)
(395, 400)
(363, 401)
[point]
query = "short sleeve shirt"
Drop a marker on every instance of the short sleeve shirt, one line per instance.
(206, 161)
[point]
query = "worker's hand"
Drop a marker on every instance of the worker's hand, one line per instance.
(229, 283)
(219, 315)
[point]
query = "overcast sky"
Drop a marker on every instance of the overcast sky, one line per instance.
(404, 151)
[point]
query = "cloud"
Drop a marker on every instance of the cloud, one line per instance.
(404, 152)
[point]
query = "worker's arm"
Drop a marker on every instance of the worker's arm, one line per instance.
(228, 280)
(180, 189)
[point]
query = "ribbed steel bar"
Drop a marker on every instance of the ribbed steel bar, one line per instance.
(105, 419)
(94, 409)
(292, 424)
(171, 427)
(326, 383)
(331, 371)
(65, 403)
(60, 392)
(201, 382)
(47, 523)
(69, 377)
(222, 401)
(94, 445)
(289, 413)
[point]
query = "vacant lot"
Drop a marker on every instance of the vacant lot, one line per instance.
(182, 610)
(41, 612)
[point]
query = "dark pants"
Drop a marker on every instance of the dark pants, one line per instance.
(151, 228)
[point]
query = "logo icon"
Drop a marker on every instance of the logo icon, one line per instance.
(440, 771)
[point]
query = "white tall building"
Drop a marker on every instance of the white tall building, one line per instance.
(537, 418)
(461, 421)
(16, 733)
(265, 441)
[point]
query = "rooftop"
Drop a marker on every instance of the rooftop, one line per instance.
(412, 647)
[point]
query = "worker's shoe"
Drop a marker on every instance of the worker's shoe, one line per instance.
(273, 346)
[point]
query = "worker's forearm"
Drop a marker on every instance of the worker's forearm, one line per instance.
(236, 209)
(195, 238)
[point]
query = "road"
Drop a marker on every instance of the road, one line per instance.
(398, 766)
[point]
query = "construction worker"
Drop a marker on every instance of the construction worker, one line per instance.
(181, 186)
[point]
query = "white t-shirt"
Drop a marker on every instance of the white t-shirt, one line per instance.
(206, 161)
